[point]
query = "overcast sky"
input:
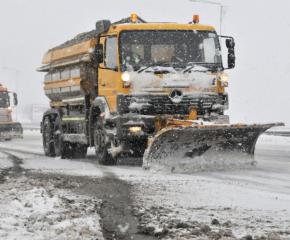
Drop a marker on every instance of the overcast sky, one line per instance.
(259, 86)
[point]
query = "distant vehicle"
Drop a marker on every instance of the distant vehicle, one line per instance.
(129, 86)
(8, 129)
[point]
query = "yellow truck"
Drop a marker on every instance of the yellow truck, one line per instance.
(8, 129)
(155, 90)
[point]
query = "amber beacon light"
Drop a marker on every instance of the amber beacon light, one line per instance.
(134, 18)
(196, 18)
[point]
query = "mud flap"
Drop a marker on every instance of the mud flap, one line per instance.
(201, 148)
(10, 130)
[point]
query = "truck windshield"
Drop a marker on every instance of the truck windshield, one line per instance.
(4, 103)
(168, 48)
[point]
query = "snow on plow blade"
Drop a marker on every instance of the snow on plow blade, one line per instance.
(10, 130)
(204, 147)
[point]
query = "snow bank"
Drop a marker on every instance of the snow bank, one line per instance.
(193, 206)
(35, 209)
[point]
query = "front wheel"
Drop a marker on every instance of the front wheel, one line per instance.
(101, 147)
(61, 149)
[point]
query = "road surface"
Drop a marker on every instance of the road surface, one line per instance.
(125, 202)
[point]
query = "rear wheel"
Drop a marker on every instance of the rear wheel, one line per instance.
(61, 149)
(47, 138)
(101, 147)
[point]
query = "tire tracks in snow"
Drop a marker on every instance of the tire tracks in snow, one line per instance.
(117, 220)
(15, 171)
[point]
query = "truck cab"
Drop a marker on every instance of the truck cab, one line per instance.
(163, 69)
(8, 128)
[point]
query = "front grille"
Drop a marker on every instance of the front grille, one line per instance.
(162, 104)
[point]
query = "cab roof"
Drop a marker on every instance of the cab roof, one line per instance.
(158, 26)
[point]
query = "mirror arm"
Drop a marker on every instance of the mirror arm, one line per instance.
(226, 37)
(230, 49)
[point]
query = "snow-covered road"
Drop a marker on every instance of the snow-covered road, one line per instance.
(219, 204)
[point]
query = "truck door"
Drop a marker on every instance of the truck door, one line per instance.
(108, 72)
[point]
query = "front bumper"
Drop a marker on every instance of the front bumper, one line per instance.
(124, 122)
(9, 130)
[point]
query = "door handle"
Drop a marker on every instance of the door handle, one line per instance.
(103, 84)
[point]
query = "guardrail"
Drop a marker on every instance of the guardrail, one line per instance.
(283, 133)
(278, 133)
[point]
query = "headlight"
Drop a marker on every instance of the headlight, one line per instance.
(9, 108)
(135, 129)
(224, 77)
(126, 77)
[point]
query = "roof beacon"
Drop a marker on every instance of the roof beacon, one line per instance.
(134, 18)
(196, 18)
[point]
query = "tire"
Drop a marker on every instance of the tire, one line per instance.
(47, 138)
(81, 151)
(8, 139)
(61, 149)
(101, 147)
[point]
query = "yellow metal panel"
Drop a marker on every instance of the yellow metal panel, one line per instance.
(47, 58)
(57, 55)
(161, 26)
(71, 51)
(57, 104)
(192, 115)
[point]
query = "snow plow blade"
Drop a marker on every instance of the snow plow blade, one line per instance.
(9, 130)
(204, 147)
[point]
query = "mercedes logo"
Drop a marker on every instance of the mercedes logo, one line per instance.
(176, 96)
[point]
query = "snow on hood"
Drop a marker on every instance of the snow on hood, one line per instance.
(147, 80)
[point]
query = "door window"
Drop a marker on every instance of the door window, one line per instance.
(111, 53)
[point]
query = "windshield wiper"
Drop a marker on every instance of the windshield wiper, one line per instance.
(201, 63)
(188, 69)
(154, 65)
(143, 69)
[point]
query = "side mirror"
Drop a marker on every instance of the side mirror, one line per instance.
(15, 99)
(99, 53)
(103, 26)
(230, 43)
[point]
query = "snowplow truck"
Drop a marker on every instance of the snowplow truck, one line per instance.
(134, 88)
(8, 129)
